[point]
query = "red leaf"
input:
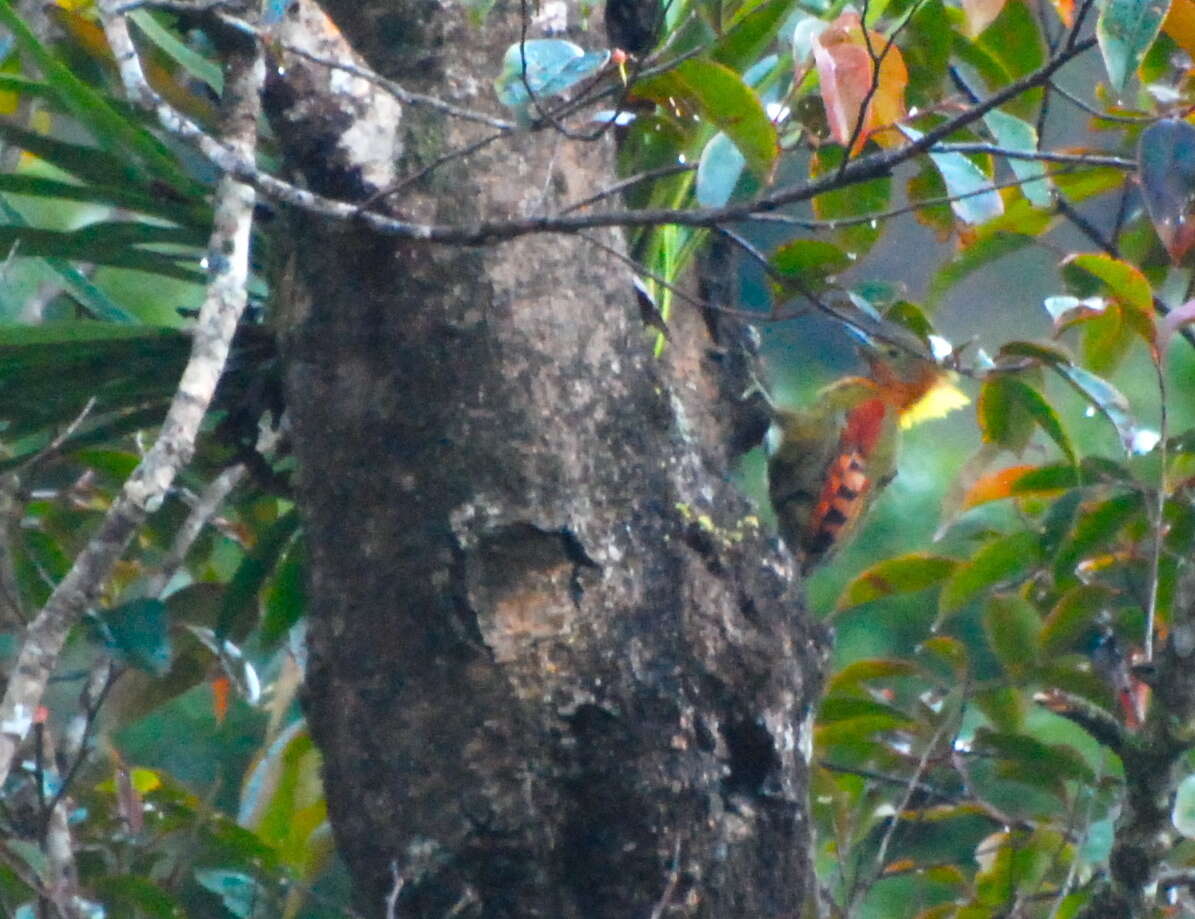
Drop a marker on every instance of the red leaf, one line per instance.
(845, 64)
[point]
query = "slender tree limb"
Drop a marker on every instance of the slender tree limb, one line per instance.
(839, 223)
(1096, 113)
(860, 170)
(144, 491)
(1081, 159)
(649, 175)
(204, 508)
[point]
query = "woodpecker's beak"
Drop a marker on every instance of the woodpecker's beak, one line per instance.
(887, 343)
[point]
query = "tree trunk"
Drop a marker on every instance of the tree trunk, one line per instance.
(556, 669)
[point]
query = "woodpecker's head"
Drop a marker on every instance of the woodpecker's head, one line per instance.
(905, 371)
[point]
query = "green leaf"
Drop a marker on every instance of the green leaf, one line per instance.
(948, 650)
(110, 243)
(1055, 760)
(811, 260)
(990, 68)
(848, 708)
(139, 632)
(860, 728)
(1014, 863)
(93, 166)
(1013, 133)
(1125, 30)
(130, 894)
(975, 256)
(1073, 614)
(283, 801)
(237, 891)
(1003, 706)
(49, 371)
(1012, 624)
(286, 598)
(1015, 39)
(194, 64)
(92, 298)
(1038, 350)
(30, 855)
(851, 676)
(726, 101)
(1018, 400)
(1105, 397)
(239, 609)
(1094, 532)
(718, 171)
(1106, 339)
(974, 201)
(751, 33)
(1183, 815)
(1125, 281)
(122, 196)
(1058, 519)
(904, 574)
(855, 200)
(1003, 559)
(926, 44)
(1003, 420)
(1102, 395)
(1107, 334)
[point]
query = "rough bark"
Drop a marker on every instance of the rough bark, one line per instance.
(556, 668)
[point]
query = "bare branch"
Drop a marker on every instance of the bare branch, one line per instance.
(630, 182)
(1081, 159)
(841, 222)
(204, 508)
(860, 170)
(1093, 111)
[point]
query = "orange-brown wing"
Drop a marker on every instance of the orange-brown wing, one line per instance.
(846, 485)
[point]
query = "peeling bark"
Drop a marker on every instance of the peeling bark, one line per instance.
(556, 668)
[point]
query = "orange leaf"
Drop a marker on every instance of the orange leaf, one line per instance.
(845, 59)
(1180, 24)
(221, 694)
(1065, 10)
(995, 486)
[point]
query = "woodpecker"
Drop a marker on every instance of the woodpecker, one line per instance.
(833, 458)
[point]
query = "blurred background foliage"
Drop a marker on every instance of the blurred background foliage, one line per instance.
(1003, 582)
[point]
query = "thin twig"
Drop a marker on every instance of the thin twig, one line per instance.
(910, 790)
(392, 895)
(649, 175)
(1096, 113)
(204, 509)
(1080, 159)
(91, 709)
(1158, 510)
(839, 223)
(670, 887)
